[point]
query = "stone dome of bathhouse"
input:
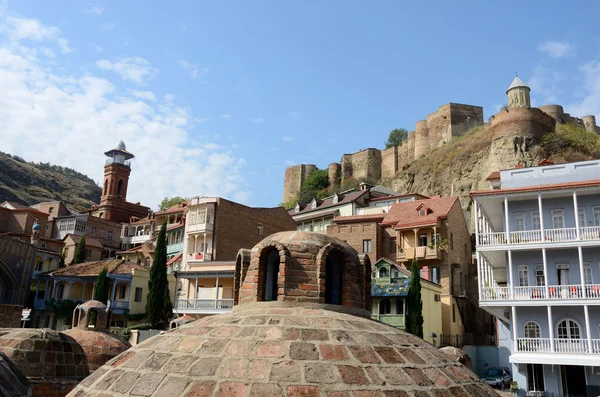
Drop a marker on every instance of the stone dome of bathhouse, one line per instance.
(12, 382)
(53, 362)
(91, 323)
(301, 327)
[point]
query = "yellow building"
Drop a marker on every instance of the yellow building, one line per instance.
(128, 290)
(390, 284)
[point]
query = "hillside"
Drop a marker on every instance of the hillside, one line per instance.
(464, 163)
(30, 183)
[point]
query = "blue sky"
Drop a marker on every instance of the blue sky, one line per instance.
(217, 98)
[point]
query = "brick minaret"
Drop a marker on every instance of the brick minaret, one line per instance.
(116, 174)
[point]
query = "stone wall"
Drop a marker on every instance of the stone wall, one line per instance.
(16, 265)
(365, 164)
(294, 178)
(334, 174)
(558, 114)
(389, 162)
(521, 122)
(10, 316)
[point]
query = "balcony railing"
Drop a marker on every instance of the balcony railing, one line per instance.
(200, 227)
(208, 305)
(409, 253)
(535, 236)
(395, 320)
(199, 257)
(136, 239)
(539, 293)
(544, 345)
(174, 248)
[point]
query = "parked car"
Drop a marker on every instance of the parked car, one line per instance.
(498, 377)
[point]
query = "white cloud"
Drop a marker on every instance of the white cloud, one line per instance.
(555, 49)
(70, 119)
(99, 49)
(590, 101)
(19, 29)
(96, 10)
(545, 85)
(287, 138)
(147, 95)
(193, 69)
(108, 26)
(134, 69)
(226, 116)
(257, 120)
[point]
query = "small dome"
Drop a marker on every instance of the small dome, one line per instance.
(36, 226)
(517, 82)
(121, 145)
(14, 383)
(179, 321)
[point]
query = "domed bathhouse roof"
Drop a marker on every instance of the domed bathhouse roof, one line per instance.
(302, 328)
(49, 359)
(91, 321)
(517, 82)
(179, 321)
(12, 382)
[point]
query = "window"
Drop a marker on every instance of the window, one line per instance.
(532, 330)
(535, 220)
(568, 329)
(50, 210)
(385, 306)
(519, 221)
(435, 274)
(581, 215)
(422, 240)
(562, 270)
(335, 199)
(587, 273)
(596, 216)
(122, 291)
(366, 245)
(523, 275)
(47, 227)
(383, 272)
(558, 219)
(147, 262)
(66, 252)
(47, 322)
(261, 229)
(422, 212)
(60, 290)
(435, 237)
(88, 254)
(399, 306)
(93, 232)
(535, 377)
(333, 278)
(393, 245)
(43, 244)
(272, 276)
(395, 273)
(109, 236)
(39, 265)
(539, 275)
(119, 187)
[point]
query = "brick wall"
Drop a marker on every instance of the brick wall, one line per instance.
(236, 227)
(459, 248)
(354, 234)
(52, 388)
(10, 316)
(525, 122)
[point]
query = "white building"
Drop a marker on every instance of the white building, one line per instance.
(538, 255)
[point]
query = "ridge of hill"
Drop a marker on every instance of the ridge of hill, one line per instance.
(30, 183)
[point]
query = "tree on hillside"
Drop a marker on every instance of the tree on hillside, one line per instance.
(80, 251)
(314, 186)
(168, 202)
(101, 288)
(414, 305)
(158, 306)
(396, 137)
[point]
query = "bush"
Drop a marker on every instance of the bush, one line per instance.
(126, 332)
(571, 139)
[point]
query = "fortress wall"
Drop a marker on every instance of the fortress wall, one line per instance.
(438, 126)
(522, 122)
(389, 162)
(421, 138)
(334, 173)
(362, 165)
(554, 111)
(463, 118)
(589, 122)
(295, 176)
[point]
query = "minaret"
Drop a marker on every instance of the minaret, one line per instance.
(518, 94)
(116, 174)
(35, 233)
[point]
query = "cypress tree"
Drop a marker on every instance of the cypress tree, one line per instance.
(101, 290)
(414, 305)
(80, 251)
(158, 305)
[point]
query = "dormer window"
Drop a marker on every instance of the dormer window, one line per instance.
(422, 212)
(383, 272)
(335, 198)
(297, 207)
(313, 203)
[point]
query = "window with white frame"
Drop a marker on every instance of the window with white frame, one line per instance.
(532, 330)
(366, 245)
(587, 273)
(523, 276)
(596, 216)
(93, 232)
(535, 378)
(539, 275)
(109, 236)
(535, 220)
(519, 221)
(568, 329)
(558, 219)
(261, 229)
(581, 215)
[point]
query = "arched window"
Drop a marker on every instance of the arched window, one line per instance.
(522, 99)
(532, 330)
(385, 306)
(105, 188)
(272, 276)
(333, 278)
(76, 314)
(119, 187)
(568, 329)
(92, 315)
(383, 272)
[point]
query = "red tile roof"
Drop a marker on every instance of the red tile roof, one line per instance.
(494, 176)
(91, 269)
(403, 215)
(343, 199)
(179, 207)
(90, 241)
(399, 196)
(174, 259)
(551, 186)
(359, 218)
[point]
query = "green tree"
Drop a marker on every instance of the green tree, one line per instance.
(414, 305)
(62, 308)
(315, 185)
(158, 306)
(80, 251)
(101, 289)
(168, 202)
(396, 137)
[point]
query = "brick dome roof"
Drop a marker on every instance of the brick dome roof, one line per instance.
(12, 382)
(285, 342)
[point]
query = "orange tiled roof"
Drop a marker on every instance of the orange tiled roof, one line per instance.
(322, 204)
(174, 259)
(90, 241)
(91, 269)
(494, 176)
(180, 207)
(551, 186)
(403, 215)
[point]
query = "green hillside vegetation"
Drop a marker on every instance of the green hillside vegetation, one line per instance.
(29, 183)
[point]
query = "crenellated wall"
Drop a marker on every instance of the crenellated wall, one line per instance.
(294, 178)
(365, 164)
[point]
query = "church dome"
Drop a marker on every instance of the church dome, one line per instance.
(36, 226)
(517, 82)
(121, 145)
(291, 342)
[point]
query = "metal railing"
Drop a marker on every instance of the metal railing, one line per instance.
(539, 292)
(534, 345)
(561, 345)
(395, 320)
(535, 236)
(204, 304)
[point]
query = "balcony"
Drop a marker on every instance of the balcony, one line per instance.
(199, 257)
(200, 227)
(112, 160)
(535, 293)
(203, 306)
(419, 253)
(395, 320)
(136, 239)
(588, 233)
(174, 248)
(545, 345)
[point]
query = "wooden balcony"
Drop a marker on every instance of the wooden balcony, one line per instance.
(395, 320)
(419, 253)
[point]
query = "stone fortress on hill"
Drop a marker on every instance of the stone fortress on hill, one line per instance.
(451, 120)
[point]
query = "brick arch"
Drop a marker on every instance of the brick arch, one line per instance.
(352, 278)
(9, 284)
(252, 289)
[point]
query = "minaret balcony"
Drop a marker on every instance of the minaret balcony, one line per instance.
(111, 160)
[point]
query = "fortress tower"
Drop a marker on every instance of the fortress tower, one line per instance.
(518, 94)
